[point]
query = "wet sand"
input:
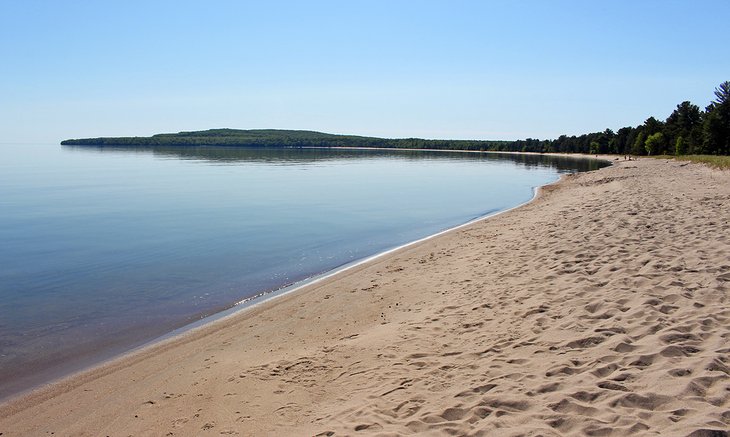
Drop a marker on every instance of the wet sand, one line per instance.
(600, 308)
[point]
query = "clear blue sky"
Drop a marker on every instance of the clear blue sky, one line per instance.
(432, 69)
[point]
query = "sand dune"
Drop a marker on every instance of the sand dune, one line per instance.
(599, 309)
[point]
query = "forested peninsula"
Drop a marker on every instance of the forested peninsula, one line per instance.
(687, 130)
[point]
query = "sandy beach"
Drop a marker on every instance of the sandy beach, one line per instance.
(598, 309)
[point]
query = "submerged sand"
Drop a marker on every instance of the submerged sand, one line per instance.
(601, 308)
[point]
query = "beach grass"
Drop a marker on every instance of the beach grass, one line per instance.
(715, 161)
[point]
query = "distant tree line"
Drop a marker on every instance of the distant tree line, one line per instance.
(282, 138)
(687, 130)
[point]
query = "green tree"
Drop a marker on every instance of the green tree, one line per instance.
(722, 93)
(717, 122)
(652, 126)
(638, 147)
(686, 122)
(623, 140)
(679, 147)
(654, 143)
(595, 148)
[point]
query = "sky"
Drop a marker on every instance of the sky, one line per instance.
(430, 69)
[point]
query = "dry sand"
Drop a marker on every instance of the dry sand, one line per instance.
(601, 308)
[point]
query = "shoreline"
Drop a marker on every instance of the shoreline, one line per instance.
(238, 309)
(392, 329)
(30, 368)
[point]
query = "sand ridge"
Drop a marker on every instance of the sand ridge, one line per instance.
(599, 309)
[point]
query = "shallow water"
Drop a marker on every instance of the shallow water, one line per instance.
(105, 249)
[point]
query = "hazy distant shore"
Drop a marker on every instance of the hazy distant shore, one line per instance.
(600, 307)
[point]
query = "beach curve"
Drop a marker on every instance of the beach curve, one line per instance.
(598, 308)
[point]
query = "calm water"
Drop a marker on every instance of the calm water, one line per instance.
(102, 250)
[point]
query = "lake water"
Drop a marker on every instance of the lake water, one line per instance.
(102, 250)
